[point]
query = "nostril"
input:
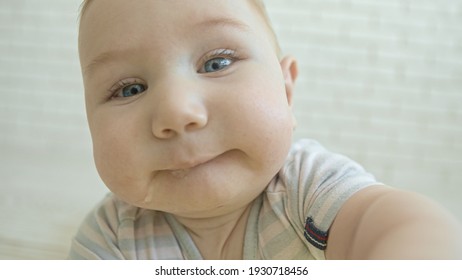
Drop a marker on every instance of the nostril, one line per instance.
(167, 133)
(191, 126)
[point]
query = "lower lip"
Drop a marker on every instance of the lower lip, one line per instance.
(180, 173)
(184, 172)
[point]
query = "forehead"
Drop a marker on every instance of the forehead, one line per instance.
(105, 22)
(257, 4)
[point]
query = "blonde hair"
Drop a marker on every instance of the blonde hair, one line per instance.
(258, 4)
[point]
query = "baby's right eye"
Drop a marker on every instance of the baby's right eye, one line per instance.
(124, 89)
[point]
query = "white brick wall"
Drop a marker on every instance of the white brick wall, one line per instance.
(380, 81)
(48, 179)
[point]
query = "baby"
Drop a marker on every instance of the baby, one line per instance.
(189, 108)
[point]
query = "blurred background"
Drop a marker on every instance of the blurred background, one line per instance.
(380, 81)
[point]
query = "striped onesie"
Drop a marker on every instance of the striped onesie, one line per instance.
(289, 220)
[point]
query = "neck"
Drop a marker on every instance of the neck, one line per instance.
(220, 237)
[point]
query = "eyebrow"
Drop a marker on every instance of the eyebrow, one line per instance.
(103, 58)
(224, 22)
(214, 22)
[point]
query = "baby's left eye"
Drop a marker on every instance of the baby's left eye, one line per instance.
(127, 88)
(132, 90)
(216, 64)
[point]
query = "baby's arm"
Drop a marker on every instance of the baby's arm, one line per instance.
(385, 223)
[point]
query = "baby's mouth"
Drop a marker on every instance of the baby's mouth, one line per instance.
(183, 170)
(180, 173)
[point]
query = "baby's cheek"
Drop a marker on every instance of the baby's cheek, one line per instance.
(120, 175)
(107, 165)
(114, 163)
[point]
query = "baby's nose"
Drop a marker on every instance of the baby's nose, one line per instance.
(179, 114)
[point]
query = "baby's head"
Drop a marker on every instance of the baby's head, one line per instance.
(188, 102)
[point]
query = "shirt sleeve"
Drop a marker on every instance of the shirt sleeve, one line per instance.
(97, 236)
(319, 182)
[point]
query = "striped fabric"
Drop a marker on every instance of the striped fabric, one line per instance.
(289, 220)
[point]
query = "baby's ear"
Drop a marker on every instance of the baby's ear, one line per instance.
(290, 71)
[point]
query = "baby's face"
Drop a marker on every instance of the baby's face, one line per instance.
(186, 101)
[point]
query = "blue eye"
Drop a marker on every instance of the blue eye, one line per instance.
(216, 64)
(132, 90)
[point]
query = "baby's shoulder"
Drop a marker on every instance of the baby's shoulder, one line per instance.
(310, 168)
(307, 158)
(115, 211)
